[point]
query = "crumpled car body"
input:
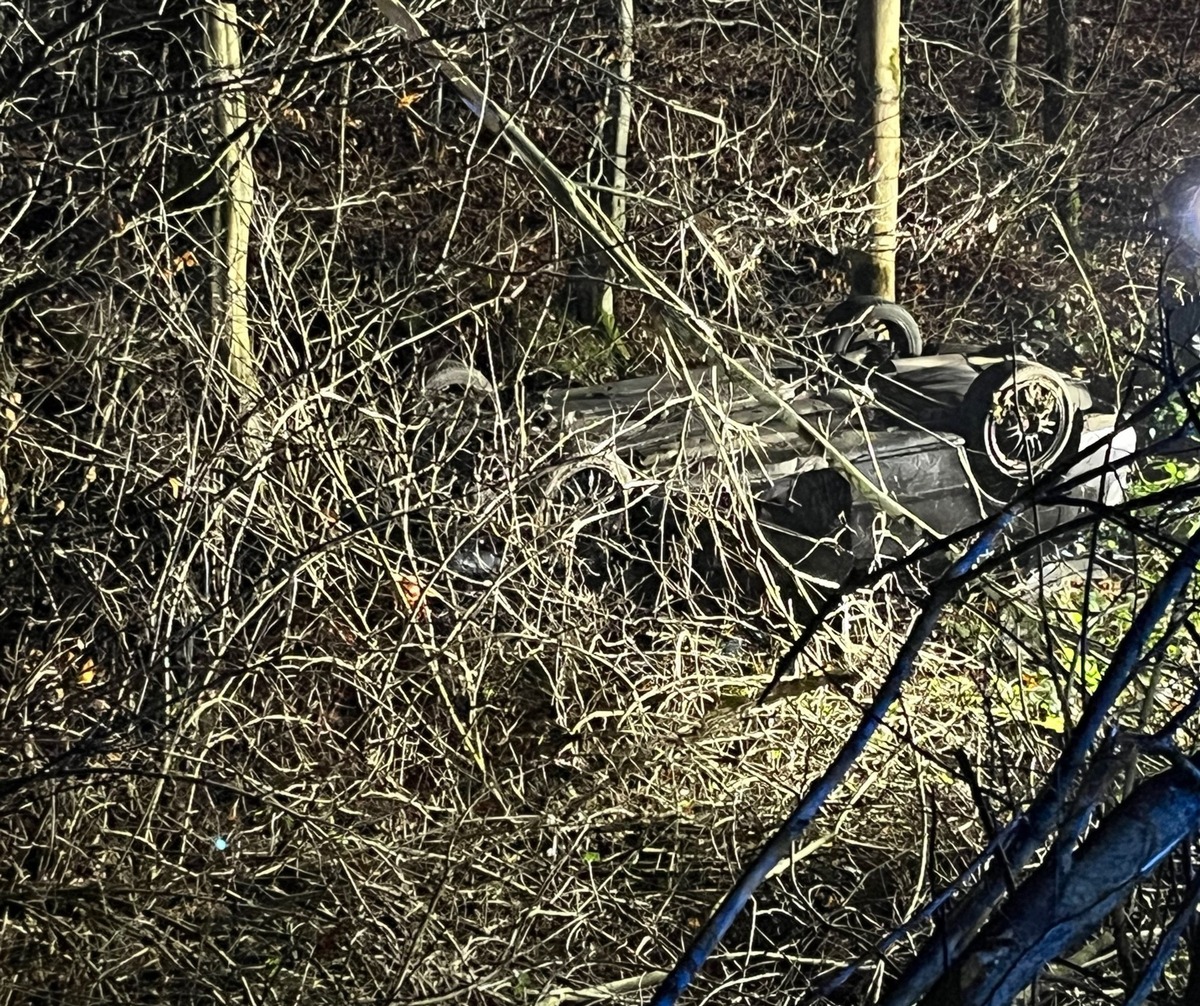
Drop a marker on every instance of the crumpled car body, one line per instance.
(949, 437)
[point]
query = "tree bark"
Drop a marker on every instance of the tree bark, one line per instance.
(620, 154)
(613, 144)
(235, 204)
(878, 29)
(997, 94)
(1058, 110)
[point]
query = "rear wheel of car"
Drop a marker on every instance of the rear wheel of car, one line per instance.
(457, 380)
(583, 512)
(1018, 419)
(862, 321)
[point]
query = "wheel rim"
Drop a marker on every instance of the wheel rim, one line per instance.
(1028, 424)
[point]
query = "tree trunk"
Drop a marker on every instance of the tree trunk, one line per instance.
(878, 30)
(594, 295)
(1058, 110)
(997, 94)
(620, 159)
(235, 203)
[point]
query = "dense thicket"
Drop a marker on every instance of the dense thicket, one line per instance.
(266, 737)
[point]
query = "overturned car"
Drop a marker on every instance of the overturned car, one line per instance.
(829, 467)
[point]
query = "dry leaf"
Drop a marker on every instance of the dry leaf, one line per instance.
(411, 591)
(407, 100)
(87, 673)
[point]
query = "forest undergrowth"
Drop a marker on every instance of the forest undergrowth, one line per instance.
(279, 723)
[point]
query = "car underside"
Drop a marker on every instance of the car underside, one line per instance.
(817, 467)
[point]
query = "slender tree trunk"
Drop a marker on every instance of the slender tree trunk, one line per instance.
(1058, 109)
(879, 98)
(606, 316)
(997, 94)
(235, 203)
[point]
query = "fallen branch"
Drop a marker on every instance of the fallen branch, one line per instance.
(1061, 904)
(600, 993)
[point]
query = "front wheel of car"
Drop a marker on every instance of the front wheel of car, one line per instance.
(1018, 418)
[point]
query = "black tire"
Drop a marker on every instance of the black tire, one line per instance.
(1018, 419)
(862, 320)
